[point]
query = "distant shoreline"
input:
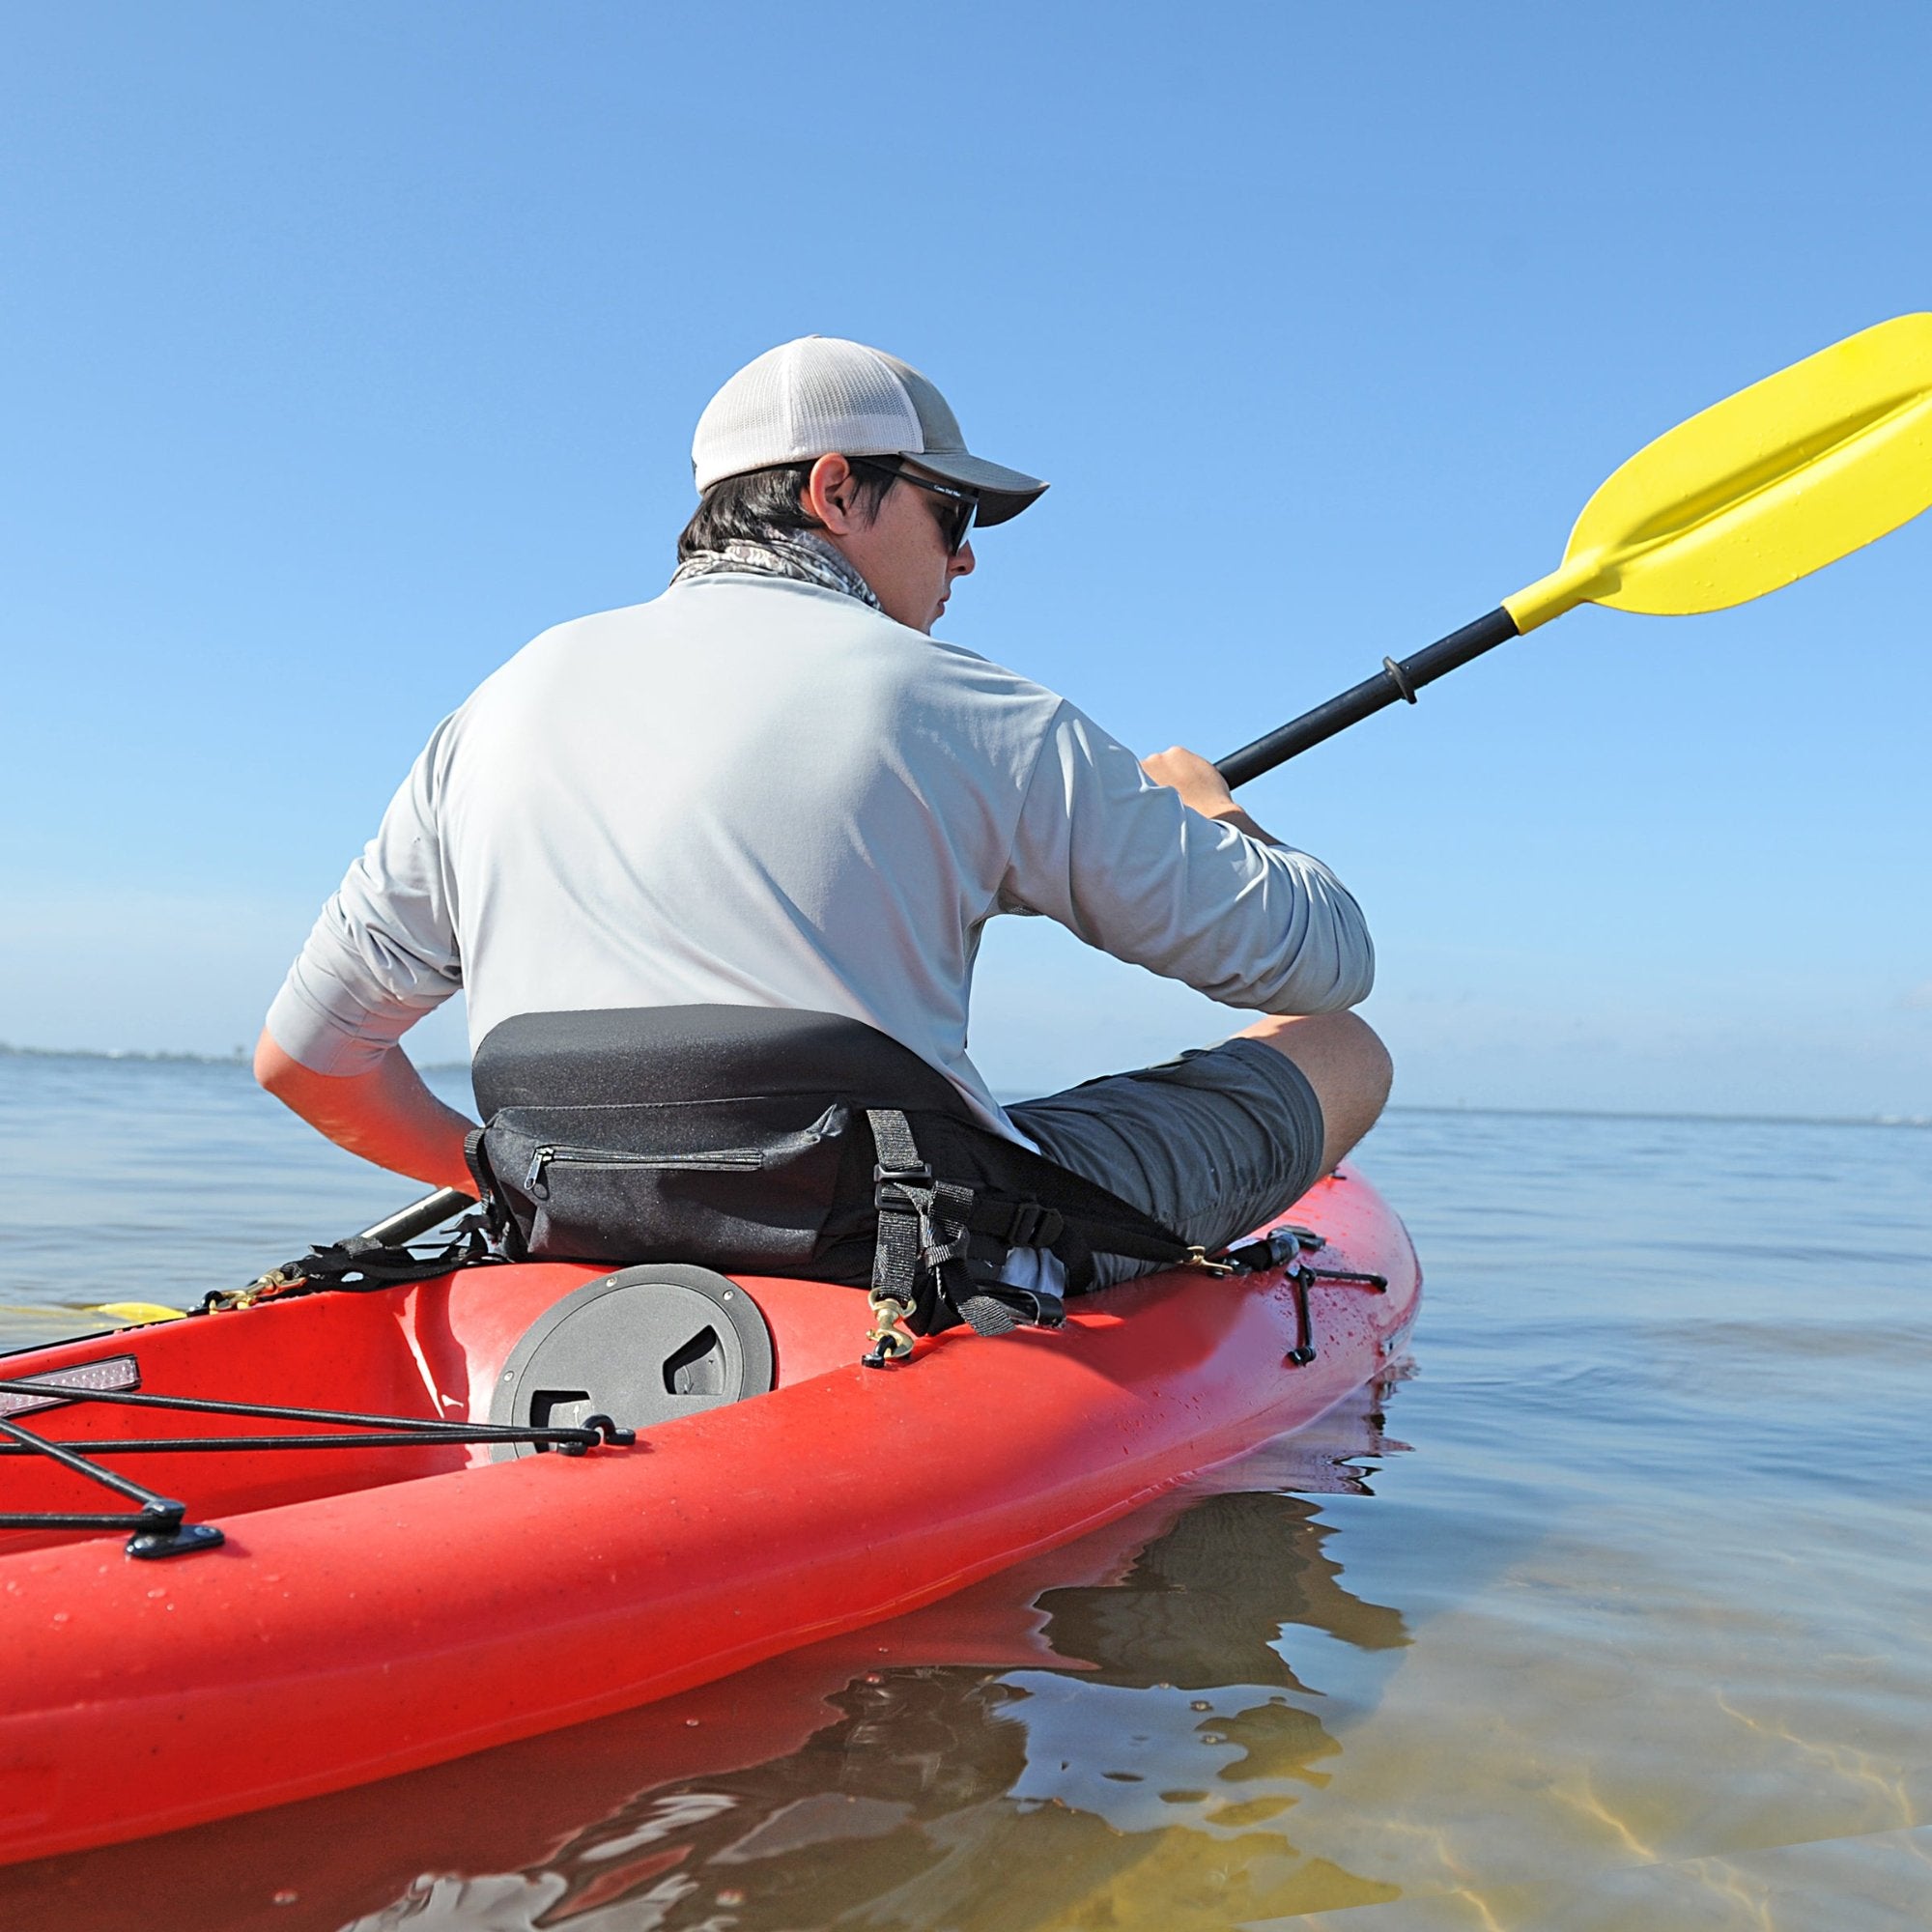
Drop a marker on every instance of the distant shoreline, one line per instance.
(7, 1052)
(130, 1055)
(1922, 1121)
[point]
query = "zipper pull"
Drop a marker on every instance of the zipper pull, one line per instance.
(535, 1183)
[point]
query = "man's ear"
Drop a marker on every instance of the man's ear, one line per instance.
(831, 494)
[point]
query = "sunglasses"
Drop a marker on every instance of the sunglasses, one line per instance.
(953, 512)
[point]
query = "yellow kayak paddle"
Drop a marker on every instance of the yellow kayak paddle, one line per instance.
(1748, 496)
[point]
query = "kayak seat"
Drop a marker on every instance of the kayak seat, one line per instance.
(773, 1141)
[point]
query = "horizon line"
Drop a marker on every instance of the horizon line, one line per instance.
(1920, 1121)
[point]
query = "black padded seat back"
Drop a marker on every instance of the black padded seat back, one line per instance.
(768, 1141)
(626, 1055)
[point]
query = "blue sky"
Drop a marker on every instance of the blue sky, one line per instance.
(345, 347)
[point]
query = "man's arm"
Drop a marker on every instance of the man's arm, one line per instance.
(382, 953)
(1159, 866)
(386, 1115)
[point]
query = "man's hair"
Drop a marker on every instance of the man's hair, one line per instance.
(765, 502)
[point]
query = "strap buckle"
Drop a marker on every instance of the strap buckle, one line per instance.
(897, 1180)
(1034, 1226)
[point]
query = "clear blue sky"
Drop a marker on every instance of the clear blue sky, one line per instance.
(345, 347)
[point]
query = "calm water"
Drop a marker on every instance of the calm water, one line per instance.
(1612, 1612)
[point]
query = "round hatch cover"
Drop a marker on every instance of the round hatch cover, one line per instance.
(642, 1346)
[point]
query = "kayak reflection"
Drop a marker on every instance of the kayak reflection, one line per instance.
(1160, 1752)
(1139, 1709)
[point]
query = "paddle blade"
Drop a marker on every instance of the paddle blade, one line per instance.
(1761, 489)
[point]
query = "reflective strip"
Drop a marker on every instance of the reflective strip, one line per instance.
(114, 1373)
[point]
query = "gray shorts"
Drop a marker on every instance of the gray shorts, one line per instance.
(1214, 1144)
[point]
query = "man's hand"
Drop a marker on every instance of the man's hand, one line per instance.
(386, 1116)
(1202, 787)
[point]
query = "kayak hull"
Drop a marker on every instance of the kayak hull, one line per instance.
(430, 1602)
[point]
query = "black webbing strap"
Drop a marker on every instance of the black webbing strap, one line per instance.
(904, 1194)
(360, 1264)
(1019, 1224)
(925, 1235)
(896, 1255)
(1074, 1216)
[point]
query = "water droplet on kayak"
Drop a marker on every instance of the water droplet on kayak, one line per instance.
(691, 1723)
(286, 1897)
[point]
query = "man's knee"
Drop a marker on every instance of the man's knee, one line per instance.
(1344, 1060)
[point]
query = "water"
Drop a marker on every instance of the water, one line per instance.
(1609, 1614)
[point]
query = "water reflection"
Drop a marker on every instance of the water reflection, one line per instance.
(1216, 1607)
(1208, 1599)
(1173, 1706)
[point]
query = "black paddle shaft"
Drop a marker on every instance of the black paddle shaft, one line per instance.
(1392, 682)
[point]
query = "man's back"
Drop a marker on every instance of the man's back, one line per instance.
(745, 793)
(757, 792)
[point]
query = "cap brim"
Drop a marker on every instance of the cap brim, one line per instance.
(1002, 492)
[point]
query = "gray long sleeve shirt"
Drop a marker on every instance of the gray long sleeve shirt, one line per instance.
(757, 792)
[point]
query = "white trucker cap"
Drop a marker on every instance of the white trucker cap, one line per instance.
(806, 399)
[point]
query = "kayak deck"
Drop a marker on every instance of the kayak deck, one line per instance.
(375, 1608)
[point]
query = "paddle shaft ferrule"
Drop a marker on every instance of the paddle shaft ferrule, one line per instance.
(1393, 684)
(419, 1217)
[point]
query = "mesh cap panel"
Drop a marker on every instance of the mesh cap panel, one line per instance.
(803, 399)
(821, 393)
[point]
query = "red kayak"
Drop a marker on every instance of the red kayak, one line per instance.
(412, 1580)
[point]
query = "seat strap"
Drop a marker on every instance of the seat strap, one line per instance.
(926, 1228)
(901, 1191)
(360, 1264)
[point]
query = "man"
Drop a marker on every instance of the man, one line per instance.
(771, 787)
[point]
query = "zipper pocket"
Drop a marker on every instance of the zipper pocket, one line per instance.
(726, 1161)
